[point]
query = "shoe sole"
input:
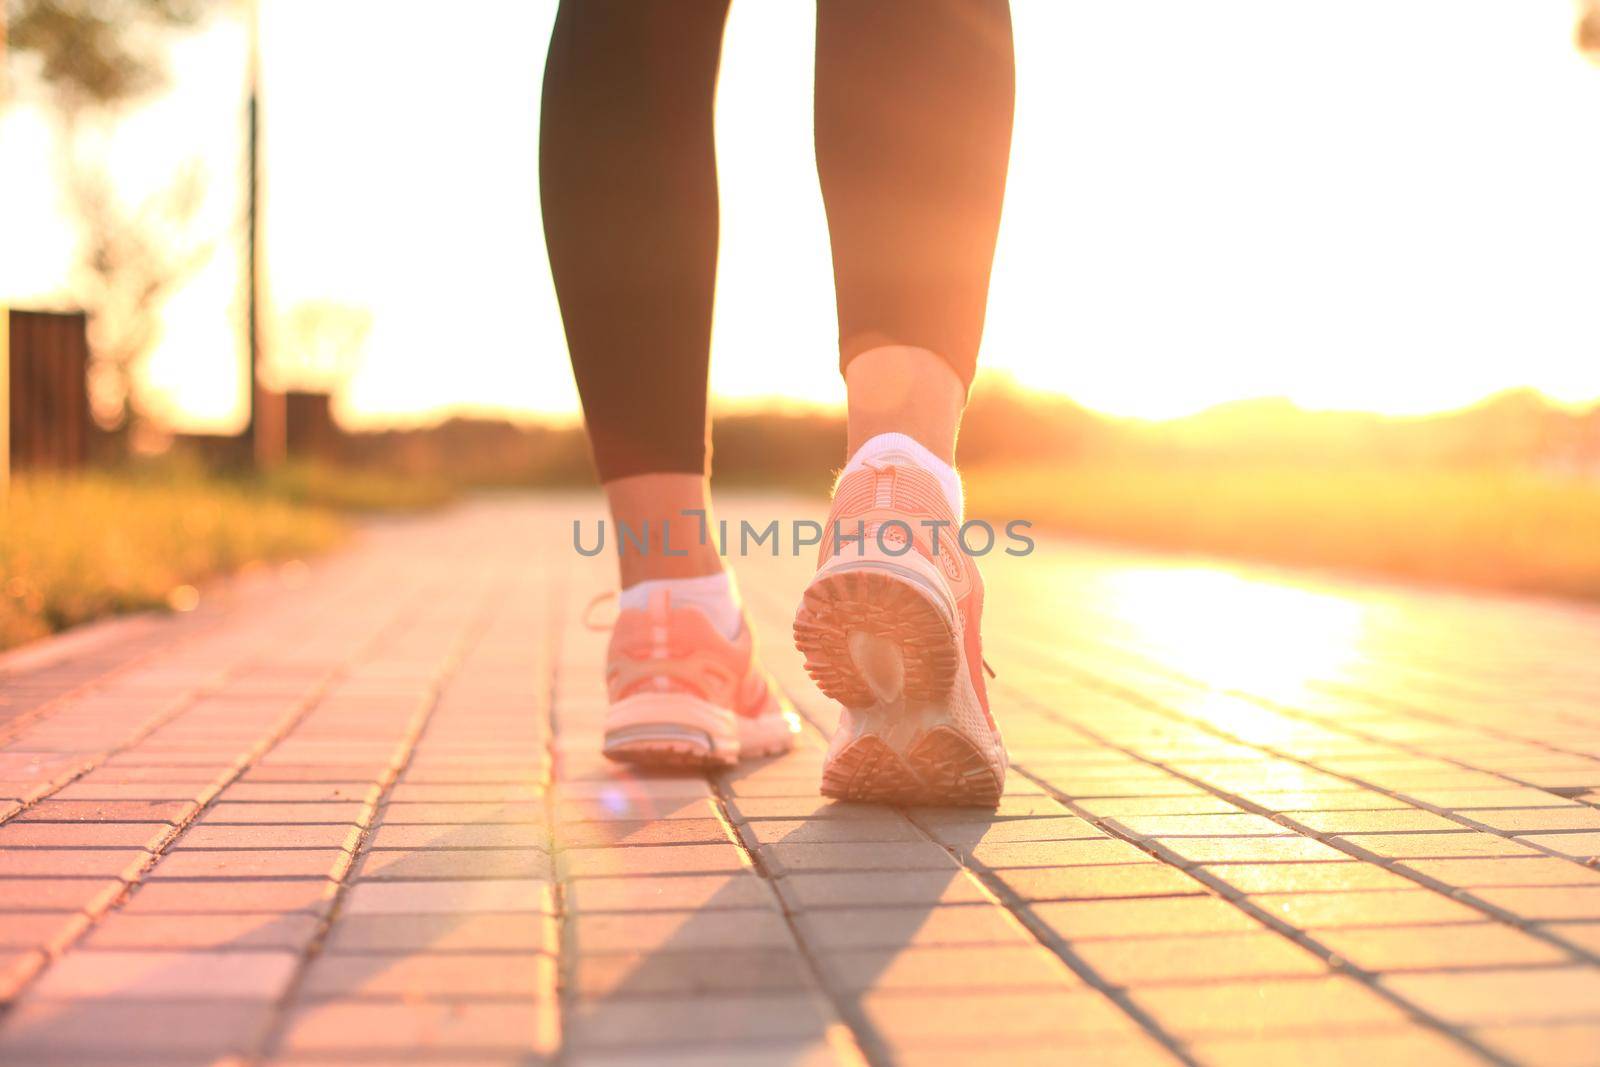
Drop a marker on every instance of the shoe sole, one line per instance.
(670, 731)
(873, 603)
(941, 768)
(882, 647)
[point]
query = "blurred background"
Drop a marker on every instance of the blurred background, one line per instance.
(1295, 281)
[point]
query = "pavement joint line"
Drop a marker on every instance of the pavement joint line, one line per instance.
(1368, 979)
(1360, 696)
(1131, 696)
(555, 616)
(1378, 700)
(1058, 946)
(94, 762)
(277, 1014)
(1341, 842)
(848, 1042)
(1336, 964)
(1394, 866)
(282, 728)
(14, 728)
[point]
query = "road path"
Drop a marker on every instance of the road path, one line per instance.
(353, 812)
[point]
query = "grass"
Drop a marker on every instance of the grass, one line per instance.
(1518, 531)
(77, 548)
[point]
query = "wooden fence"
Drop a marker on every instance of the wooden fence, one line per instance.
(44, 392)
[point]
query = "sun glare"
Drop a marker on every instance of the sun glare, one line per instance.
(1391, 212)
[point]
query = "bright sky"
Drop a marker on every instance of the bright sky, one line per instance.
(1378, 205)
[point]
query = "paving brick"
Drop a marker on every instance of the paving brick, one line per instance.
(1585, 934)
(465, 792)
(392, 898)
(680, 972)
(626, 810)
(125, 1030)
(1143, 917)
(630, 787)
(1098, 882)
(58, 894)
(743, 809)
(668, 1021)
(92, 789)
(827, 831)
(253, 863)
(1204, 804)
(520, 932)
(71, 862)
(435, 976)
(458, 836)
(1267, 1006)
(966, 836)
(342, 836)
(863, 928)
(985, 967)
(1382, 907)
(145, 835)
(1580, 846)
(886, 856)
(1250, 849)
(1436, 846)
(1388, 821)
(1010, 807)
(361, 792)
(1478, 998)
(725, 857)
(1064, 1015)
(641, 832)
(1239, 825)
(248, 930)
(677, 931)
(511, 812)
(347, 812)
(208, 897)
(669, 893)
(1524, 820)
(1519, 871)
(161, 975)
(1426, 948)
(1138, 961)
(422, 1028)
(103, 811)
(862, 889)
(1305, 877)
(37, 929)
(1546, 905)
(1547, 1044)
(1082, 853)
(454, 864)
(1415, 1045)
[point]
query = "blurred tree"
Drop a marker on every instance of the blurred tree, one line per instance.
(95, 53)
(88, 60)
(321, 340)
(130, 262)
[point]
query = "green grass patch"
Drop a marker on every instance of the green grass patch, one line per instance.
(79, 547)
(1518, 531)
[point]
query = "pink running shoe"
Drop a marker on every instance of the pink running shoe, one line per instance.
(682, 695)
(889, 628)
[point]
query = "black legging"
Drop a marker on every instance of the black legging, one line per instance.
(913, 131)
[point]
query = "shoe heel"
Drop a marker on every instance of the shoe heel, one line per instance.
(871, 638)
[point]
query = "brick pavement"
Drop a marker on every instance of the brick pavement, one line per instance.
(353, 813)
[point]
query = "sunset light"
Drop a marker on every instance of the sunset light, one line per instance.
(1391, 210)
